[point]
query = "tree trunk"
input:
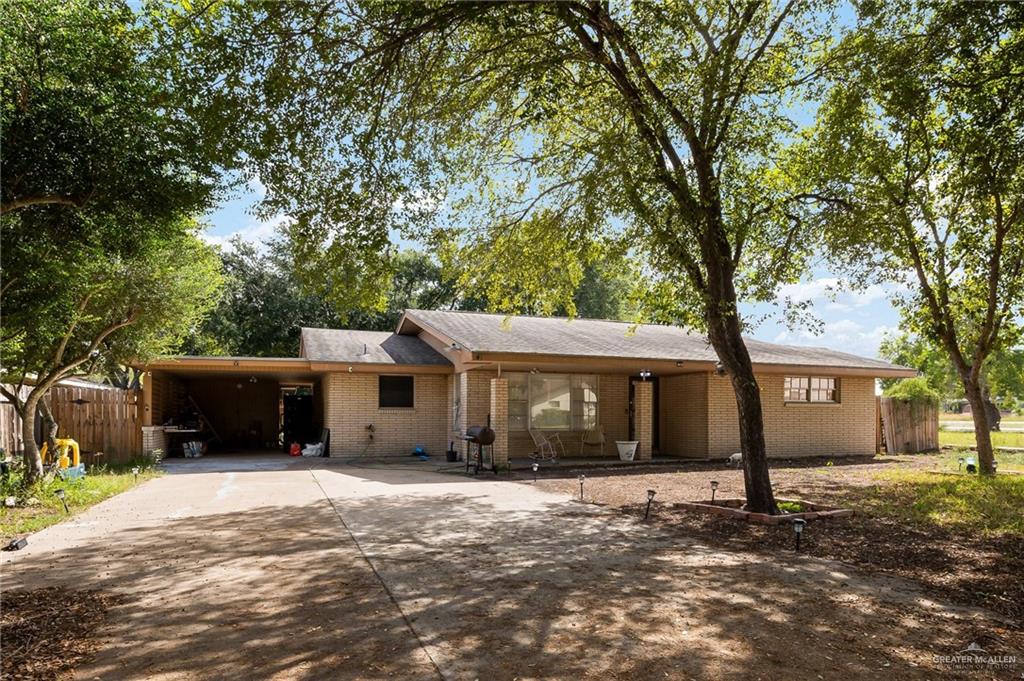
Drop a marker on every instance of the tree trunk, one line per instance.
(50, 426)
(33, 462)
(756, 477)
(982, 432)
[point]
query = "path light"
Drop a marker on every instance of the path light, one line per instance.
(960, 463)
(135, 471)
(714, 488)
(60, 495)
(16, 544)
(582, 478)
(650, 498)
(995, 465)
(536, 467)
(798, 528)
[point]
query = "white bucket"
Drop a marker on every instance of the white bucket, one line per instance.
(627, 449)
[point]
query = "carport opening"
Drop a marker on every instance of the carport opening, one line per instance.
(237, 413)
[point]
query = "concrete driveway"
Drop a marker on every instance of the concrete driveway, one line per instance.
(285, 569)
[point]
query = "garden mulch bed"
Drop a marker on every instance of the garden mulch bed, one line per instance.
(973, 570)
(48, 632)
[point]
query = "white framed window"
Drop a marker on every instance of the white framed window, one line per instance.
(552, 401)
(820, 389)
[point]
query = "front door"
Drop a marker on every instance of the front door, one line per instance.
(655, 406)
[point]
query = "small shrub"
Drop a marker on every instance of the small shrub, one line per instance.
(790, 507)
(915, 390)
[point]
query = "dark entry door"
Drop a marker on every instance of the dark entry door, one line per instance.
(655, 417)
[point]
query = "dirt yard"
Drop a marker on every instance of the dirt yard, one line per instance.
(955, 562)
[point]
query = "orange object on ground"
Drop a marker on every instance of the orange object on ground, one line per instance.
(295, 450)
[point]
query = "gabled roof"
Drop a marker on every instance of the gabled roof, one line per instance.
(367, 347)
(560, 336)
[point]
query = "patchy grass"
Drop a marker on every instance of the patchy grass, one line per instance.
(1009, 462)
(966, 439)
(968, 504)
(39, 507)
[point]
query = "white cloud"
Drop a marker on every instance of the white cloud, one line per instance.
(834, 293)
(256, 231)
(845, 335)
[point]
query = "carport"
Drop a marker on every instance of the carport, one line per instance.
(231, 404)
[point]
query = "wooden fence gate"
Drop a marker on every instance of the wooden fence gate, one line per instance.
(908, 427)
(100, 418)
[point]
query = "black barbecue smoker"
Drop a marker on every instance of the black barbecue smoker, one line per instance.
(483, 438)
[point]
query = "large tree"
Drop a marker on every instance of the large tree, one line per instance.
(80, 303)
(517, 136)
(101, 172)
(922, 140)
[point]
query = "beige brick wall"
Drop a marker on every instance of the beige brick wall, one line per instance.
(350, 404)
(643, 405)
(793, 430)
(684, 415)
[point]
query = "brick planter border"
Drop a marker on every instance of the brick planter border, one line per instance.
(732, 508)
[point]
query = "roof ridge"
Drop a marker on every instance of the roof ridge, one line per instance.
(553, 317)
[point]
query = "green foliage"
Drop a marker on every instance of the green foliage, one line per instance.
(916, 390)
(790, 507)
(495, 135)
(1002, 373)
(103, 173)
(89, 119)
(921, 142)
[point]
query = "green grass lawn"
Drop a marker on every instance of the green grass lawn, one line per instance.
(39, 506)
(1007, 418)
(967, 503)
(999, 439)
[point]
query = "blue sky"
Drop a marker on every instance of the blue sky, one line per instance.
(851, 321)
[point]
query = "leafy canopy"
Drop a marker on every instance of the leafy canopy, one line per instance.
(500, 134)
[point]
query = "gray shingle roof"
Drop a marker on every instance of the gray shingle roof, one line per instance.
(481, 332)
(367, 347)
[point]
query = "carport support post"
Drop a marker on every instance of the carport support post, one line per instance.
(499, 421)
(643, 405)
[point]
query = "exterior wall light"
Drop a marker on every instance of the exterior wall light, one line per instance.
(719, 369)
(645, 374)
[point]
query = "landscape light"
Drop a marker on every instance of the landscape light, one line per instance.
(650, 498)
(60, 495)
(16, 544)
(798, 528)
(995, 464)
(536, 467)
(714, 488)
(960, 463)
(582, 478)
(135, 471)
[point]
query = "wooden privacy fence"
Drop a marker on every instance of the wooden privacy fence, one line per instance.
(908, 427)
(99, 418)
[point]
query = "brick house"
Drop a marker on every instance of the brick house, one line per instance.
(383, 394)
